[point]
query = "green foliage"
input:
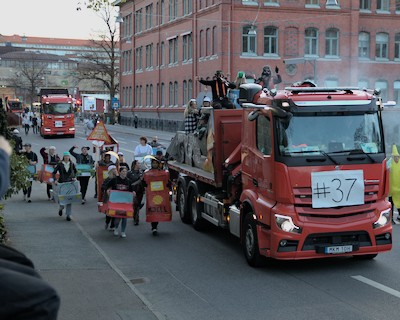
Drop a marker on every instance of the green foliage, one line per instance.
(19, 175)
(3, 124)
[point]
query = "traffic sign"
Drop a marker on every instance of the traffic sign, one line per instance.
(115, 103)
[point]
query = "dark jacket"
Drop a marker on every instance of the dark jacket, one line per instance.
(120, 184)
(81, 158)
(65, 176)
(136, 179)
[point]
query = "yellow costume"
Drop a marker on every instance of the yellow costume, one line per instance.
(395, 178)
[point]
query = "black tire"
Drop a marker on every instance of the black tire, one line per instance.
(366, 256)
(250, 242)
(182, 207)
(195, 209)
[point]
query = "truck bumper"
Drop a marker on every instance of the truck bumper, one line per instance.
(321, 241)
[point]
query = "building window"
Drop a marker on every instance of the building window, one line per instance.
(162, 54)
(382, 42)
(190, 89)
(397, 5)
(383, 86)
(208, 42)
(270, 40)
(187, 6)
(176, 93)
(214, 41)
(249, 40)
(149, 56)
(138, 21)
(187, 47)
(173, 9)
(397, 46)
(151, 95)
(162, 11)
(311, 42)
(363, 45)
(173, 50)
(171, 94)
(138, 58)
(363, 84)
(312, 2)
(270, 2)
(365, 4)
(201, 43)
(184, 91)
(130, 96)
(162, 94)
(397, 91)
(382, 5)
(149, 16)
(332, 42)
(147, 95)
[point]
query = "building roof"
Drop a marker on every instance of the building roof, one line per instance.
(29, 56)
(17, 39)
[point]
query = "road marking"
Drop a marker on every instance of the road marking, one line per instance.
(113, 266)
(378, 286)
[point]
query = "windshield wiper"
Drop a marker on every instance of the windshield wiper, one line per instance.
(355, 152)
(319, 151)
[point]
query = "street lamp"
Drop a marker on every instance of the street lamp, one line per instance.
(119, 19)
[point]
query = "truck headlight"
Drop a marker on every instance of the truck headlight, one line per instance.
(71, 129)
(286, 224)
(384, 219)
(47, 129)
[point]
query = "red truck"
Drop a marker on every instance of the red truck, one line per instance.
(56, 113)
(298, 173)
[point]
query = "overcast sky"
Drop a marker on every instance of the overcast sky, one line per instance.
(48, 18)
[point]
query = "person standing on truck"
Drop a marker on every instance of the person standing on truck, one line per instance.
(67, 170)
(33, 160)
(191, 116)
(83, 158)
(220, 86)
(50, 158)
(394, 191)
(267, 80)
(121, 183)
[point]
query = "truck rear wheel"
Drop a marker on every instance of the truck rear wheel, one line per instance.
(195, 211)
(250, 242)
(182, 208)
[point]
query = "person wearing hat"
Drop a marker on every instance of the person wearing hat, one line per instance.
(83, 158)
(18, 141)
(121, 160)
(33, 160)
(394, 188)
(206, 102)
(220, 86)
(51, 158)
(112, 173)
(67, 170)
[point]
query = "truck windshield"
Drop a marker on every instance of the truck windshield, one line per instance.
(307, 134)
(57, 108)
(15, 105)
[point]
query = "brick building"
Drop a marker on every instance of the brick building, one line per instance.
(166, 44)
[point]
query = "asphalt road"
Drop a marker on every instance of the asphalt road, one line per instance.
(182, 273)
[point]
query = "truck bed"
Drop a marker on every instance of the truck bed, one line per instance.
(196, 173)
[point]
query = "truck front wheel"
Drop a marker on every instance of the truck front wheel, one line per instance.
(182, 205)
(250, 242)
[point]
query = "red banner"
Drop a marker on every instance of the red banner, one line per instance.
(158, 204)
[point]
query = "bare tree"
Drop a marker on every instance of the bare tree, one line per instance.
(103, 64)
(29, 75)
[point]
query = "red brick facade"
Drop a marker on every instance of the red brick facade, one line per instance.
(326, 38)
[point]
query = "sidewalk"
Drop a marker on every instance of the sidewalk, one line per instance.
(90, 285)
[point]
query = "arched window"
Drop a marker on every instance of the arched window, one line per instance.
(185, 92)
(190, 90)
(171, 94)
(175, 93)
(397, 46)
(162, 95)
(208, 42)
(214, 41)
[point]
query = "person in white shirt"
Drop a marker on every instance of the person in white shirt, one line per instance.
(143, 149)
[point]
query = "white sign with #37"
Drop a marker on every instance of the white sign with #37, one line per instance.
(337, 188)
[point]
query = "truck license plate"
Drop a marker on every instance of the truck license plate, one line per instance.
(338, 249)
(58, 124)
